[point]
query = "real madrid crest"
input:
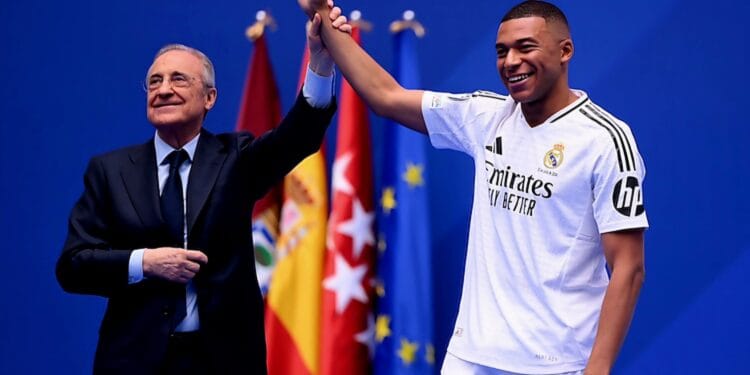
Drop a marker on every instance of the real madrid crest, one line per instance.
(554, 157)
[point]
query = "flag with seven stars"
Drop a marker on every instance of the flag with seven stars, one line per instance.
(347, 324)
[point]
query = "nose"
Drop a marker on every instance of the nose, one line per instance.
(512, 59)
(165, 88)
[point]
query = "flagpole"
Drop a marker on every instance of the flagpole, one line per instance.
(356, 20)
(263, 19)
(408, 22)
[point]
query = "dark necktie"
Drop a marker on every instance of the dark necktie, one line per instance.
(172, 209)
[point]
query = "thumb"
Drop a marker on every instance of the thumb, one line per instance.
(315, 26)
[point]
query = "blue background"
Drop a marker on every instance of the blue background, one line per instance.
(676, 71)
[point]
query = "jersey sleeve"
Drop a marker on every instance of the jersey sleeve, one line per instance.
(618, 182)
(459, 121)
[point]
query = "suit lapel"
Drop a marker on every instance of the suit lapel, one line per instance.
(141, 181)
(209, 157)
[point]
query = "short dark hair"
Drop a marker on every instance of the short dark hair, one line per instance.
(533, 8)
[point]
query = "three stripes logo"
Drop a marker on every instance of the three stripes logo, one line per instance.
(627, 196)
(625, 157)
(496, 147)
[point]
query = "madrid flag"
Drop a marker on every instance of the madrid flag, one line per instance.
(347, 323)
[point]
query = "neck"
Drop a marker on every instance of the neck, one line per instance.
(538, 111)
(177, 136)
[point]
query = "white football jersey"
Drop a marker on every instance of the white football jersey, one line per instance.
(535, 270)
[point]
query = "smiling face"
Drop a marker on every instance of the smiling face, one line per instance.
(178, 98)
(532, 57)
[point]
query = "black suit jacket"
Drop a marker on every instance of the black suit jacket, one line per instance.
(119, 211)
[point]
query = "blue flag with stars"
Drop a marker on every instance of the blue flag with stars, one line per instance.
(403, 321)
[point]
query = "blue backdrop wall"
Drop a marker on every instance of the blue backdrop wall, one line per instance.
(676, 71)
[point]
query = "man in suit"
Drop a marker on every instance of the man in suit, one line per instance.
(162, 229)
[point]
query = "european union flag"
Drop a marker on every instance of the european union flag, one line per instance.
(403, 322)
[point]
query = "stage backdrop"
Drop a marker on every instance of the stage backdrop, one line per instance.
(676, 71)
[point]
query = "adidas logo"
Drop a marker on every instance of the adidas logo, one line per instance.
(496, 147)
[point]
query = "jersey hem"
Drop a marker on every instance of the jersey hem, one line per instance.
(528, 369)
(622, 226)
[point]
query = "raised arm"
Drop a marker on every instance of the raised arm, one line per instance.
(376, 86)
(321, 61)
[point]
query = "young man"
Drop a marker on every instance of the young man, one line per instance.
(557, 197)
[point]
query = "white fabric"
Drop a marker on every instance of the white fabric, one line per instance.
(535, 271)
(453, 365)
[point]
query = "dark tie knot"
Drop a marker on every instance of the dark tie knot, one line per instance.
(176, 158)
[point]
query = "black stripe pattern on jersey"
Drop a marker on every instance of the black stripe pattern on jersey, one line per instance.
(625, 157)
(487, 94)
(570, 110)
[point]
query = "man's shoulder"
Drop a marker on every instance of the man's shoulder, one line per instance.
(121, 153)
(596, 119)
(230, 140)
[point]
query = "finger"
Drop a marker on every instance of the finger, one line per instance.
(334, 13)
(330, 3)
(184, 276)
(315, 25)
(192, 267)
(338, 22)
(347, 28)
(182, 279)
(196, 256)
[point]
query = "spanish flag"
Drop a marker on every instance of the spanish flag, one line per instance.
(293, 303)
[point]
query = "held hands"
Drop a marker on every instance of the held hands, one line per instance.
(173, 264)
(310, 6)
(320, 60)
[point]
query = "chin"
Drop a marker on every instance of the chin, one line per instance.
(520, 97)
(163, 120)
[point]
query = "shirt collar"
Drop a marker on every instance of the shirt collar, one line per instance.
(163, 149)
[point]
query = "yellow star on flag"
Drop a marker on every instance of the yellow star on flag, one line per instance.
(429, 355)
(380, 289)
(382, 327)
(408, 351)
(413, 175)
(382, 245)
(388, 200)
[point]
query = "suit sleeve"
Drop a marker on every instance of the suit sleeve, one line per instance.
(277, 152)
(87, 264)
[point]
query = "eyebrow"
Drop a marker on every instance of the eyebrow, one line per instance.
(176, 72)
(519, 41)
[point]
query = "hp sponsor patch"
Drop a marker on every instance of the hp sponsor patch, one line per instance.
(627, 197)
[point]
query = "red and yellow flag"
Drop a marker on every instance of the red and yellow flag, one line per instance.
(260, 111)
(294, 298)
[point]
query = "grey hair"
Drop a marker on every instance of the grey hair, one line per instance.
(209, 77)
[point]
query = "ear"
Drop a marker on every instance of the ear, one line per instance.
(566, 50)
(211, 94)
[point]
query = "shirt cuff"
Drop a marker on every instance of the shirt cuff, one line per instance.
(317, 90)
(135, 266)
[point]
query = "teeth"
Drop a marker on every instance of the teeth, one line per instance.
(518, 78)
